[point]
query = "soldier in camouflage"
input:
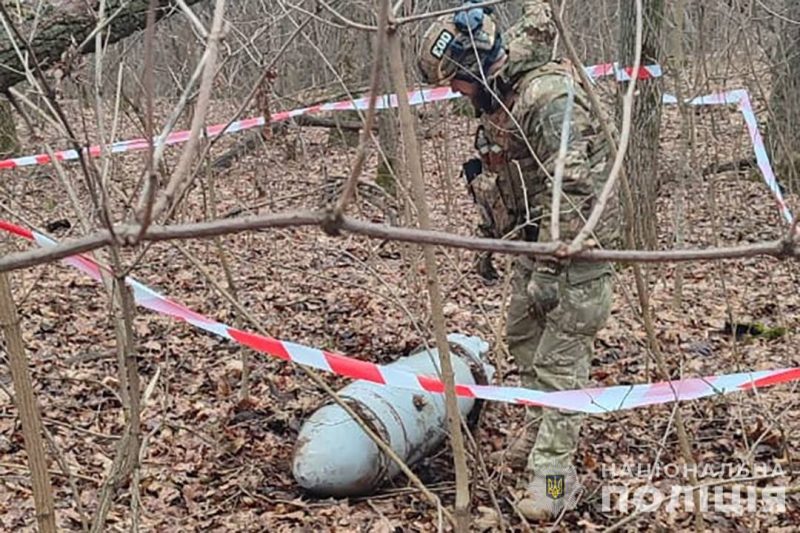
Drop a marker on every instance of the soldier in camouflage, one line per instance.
(522, 97)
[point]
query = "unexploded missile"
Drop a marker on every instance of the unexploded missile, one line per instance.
(335, 457)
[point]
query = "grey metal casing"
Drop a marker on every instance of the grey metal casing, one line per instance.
(335, 457)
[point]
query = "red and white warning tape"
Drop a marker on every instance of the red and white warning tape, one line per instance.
(383, 102)
(646, 72)
(590, 400)
(416, 98)
(437, 94)
(741, 98)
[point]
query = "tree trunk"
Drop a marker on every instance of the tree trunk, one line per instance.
(415, 175)
(62, 23)
(641, 163)
(9, 142)
(784, 131)
(388, 166)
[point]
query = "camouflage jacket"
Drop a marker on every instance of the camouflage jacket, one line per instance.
(520, 149)
(519, 143)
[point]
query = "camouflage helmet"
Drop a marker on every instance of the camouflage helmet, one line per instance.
(467, 45)
(530, 40)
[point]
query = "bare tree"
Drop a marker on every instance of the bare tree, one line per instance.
(784, 133)
(68, 27)
(642, 160)
(9, 143)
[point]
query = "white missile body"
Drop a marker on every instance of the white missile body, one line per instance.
(335, 457)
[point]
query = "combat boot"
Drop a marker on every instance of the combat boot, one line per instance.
(533, 510)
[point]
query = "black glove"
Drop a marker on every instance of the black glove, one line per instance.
(472, 169)
(485, 267)
(530, 232)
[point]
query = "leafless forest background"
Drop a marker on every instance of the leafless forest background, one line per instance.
(149, 425)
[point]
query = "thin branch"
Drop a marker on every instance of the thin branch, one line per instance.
(405, 20)
(619, 160)
(344, 20)
(64, 249)
(112, 482)
(177, 111)
(101, 181)
(780, 249)
(167, 198)
(144, 212)
(28, 409)
(187, 11)
(67, 472)
(558, 177)
(777, 15)
(398, 5)
(415, 175)
(380, 42)
(52, 472)
(434, 14)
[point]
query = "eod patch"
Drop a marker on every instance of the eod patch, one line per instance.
(441, 44)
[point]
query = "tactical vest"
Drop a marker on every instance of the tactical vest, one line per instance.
(516, 184)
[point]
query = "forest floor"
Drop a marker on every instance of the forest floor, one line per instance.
(214, 463)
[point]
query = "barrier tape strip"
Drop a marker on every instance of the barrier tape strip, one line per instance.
(383, 102)
(590, 400)
(741, 98)
(646, 72)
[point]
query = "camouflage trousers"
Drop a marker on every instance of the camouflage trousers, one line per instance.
(552, 346)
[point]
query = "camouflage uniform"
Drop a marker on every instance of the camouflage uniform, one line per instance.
(555, 311)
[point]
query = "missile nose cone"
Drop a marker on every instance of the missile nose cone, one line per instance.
(334, 457)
